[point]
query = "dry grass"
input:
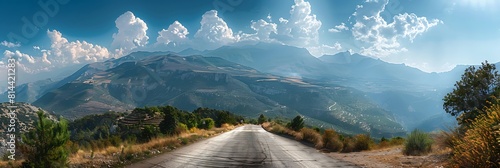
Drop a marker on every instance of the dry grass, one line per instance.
(479, 147)
(9, 164)
(310, 135)
(332, 141)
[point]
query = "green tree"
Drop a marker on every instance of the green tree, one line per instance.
(169, 123)
(472, 93)
(44, 146)
(148, 132)
(192, 121)
(297, 123)
(261, 119)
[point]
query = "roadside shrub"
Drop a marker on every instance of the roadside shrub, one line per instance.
(331, 141)
(206, 123)
(362, 142)
(348, 145)
(480, 146)
(181, 128)
(278, 129)
(418, 143)
(312, 136)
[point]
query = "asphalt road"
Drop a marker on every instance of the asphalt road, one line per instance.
(246, 146)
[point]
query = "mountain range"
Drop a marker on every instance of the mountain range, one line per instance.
(349, 92)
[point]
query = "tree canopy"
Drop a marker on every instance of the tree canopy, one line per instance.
(297, 123)
(477, 87)
(44, 146)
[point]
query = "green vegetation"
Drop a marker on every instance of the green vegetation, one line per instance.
(472, 93)
(51, 143)
(475, 143)
(207, 123)
(297, 123)
(44, 146)
(418, 143)
(261, 119)
(169, 124)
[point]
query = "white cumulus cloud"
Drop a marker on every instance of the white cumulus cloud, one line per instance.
(338, 28)
(131, 33)
(64, 52)
(214, 31)
(10, 44)
(61, 53)
(175, 34)
(21, 57)
(263, 31)
(383, 38)
(302, 28)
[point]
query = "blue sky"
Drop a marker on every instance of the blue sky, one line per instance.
(432, 35)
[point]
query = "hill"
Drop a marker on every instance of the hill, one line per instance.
(195, 81)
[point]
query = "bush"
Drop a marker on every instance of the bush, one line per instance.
(206, 123)
(480, 146)
(331, 141)
(181, 128)
(418, 143)
(348, 145)
(362, 142)
(312, 136)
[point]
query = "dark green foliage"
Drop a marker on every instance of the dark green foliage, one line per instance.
(206, 123)
(149, 132)
(472, 93)
(169, 123)
(100, 131)
(191, 121)
(225, 118)
(261, 119)
(93, 127)
(316, 129)
(91, 122)
(44, 146)
(219, 116)
(418, 143)
(384, 139)
(297, 123)
(253, 121)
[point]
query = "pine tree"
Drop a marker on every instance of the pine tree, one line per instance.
(297, 123)
(44, 146)
(169, 123)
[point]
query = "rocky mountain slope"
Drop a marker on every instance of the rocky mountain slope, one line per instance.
(195, 81)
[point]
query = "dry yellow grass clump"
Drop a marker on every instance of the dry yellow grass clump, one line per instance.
(480, 146)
